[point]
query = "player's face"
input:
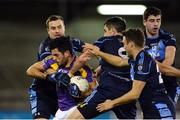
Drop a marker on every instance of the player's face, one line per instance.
(56, 29)
(152, 25)
(108, 32)
(59, 57)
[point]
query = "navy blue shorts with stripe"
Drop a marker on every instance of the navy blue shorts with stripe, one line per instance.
(43, 103)
(88, 107)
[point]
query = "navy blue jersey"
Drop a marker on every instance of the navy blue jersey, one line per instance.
(145, 69)
(112, 45)
(114, 81)
(156, 48)
(44, 51)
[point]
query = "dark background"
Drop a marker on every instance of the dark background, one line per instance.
(22, 27)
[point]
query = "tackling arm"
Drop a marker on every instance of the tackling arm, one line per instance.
(133, 94)
(112, 59)
(37, 70)
(169, 55)
(168, 70)
(80, 61)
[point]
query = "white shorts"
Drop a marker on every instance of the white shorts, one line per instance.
(63, 114)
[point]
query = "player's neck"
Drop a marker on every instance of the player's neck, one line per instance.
(135, 52)
(149, 35)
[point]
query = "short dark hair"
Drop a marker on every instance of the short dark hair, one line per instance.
(116, 22)
(135, 35)
(151, 11)
(53, 18)
(62, 43)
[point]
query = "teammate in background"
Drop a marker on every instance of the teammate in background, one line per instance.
(114, 81)
(69, 95)
(161, 45)
(43, 97)
(147, 83)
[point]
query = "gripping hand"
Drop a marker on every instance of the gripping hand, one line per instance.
(59, 78)
(74, 90)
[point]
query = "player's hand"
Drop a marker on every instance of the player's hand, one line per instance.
(74, 90)
(92, 48)
(104, 106)
(84, 57)
(59, 78)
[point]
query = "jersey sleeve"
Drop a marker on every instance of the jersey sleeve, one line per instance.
(77, 44)
(143, 69)
(171, 40)
(100, 42)
(168, 37)
(86, 72)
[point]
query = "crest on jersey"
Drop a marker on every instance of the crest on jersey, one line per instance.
(47, 49)
(140, 67)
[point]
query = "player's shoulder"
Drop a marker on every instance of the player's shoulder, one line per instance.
(116, 37)
(44, 41)
(166, 34)
(76, 40)
(143, 57)
(109, 38)
(44, 49)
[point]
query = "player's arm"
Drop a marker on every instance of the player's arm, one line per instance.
(37, 70)
(112, 59)
(133, 94)
(169, 55)
(168, 70)
(80, 61)
(42, 68)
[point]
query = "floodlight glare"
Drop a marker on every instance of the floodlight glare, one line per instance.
(121, 9)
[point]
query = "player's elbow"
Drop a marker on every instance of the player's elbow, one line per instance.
(29, 71)
(164, 69)
(134, 95)
(164, 72)
(82, 60)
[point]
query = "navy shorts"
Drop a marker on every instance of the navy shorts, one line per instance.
(159, 109)
(110, 87)
(172, 87)
(174, 93)
(43, 103)
(88, 107)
